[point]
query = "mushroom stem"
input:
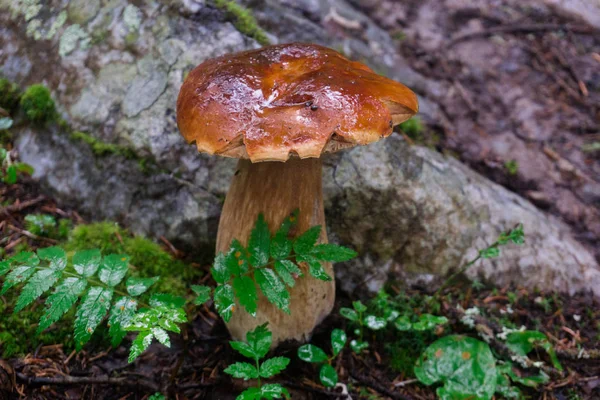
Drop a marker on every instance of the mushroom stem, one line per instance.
(276, 189)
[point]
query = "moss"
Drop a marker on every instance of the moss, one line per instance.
(37, 104)
(243, 20)
(512, 167)
(413, 128)
(9, 95)
(147, 257)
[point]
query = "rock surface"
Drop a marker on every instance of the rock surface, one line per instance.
(116, 71)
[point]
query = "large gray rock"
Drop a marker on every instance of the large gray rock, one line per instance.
(115, 70)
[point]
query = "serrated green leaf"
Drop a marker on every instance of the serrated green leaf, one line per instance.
(244, 349)
(273, 366)
(219, 270)
(349, 313)
(202, 294)
(160, 315)
(428, 321)
(56, 257)
(281, 245)
(338, 340)
(142, 341)
(403, 323)
(157, 396)
(328, 376)
(25, 257)
(224, 301)
(359, 306)
(304, 243)
(61, 301)
(162, 336)
(287, 271)
(242, 370)
(375, 323)
(167, 299)
(36, 286)
(252, 393)
(121, 314)
(274, 391)
(311, 353)
(4, 267)
(113, 269)
(86, 262)
(90, 313)
(273, 289)
(136, 286)
(332, 253)
(465, 366)
(259, 243)
(315, 268)
(245, 290)
(357, 346)
(260, 340)
(490, 252)
(16, 276)
(238, 262)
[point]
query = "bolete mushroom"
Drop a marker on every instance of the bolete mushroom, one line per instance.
(279, 109)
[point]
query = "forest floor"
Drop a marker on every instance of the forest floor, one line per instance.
(193, 367)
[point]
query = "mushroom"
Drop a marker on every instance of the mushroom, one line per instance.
(279, 109)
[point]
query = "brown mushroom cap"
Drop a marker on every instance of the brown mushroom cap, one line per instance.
(303, 99)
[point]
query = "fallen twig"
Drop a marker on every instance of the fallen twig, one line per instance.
(367, 381)
(22, 205)
(74, 380)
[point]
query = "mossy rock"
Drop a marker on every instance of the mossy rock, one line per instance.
(9, 95)
(37, 104)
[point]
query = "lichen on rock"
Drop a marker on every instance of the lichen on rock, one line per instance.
(71, 38)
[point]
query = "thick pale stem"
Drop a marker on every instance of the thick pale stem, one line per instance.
(276, 189)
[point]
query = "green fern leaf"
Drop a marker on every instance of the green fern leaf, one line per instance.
(25, 257)
(61, 301)
(137, 286)
(287, 271)
(273, 289)
(86, 262)
(224, 301)
(166, 299)
(245, 291)
(332, 253)
(315, 267)
(4, 267)
(281, 246)
(92, 310)
(238, 261)
(56, 257)
(202, 294)
(140, 344)
(259, 243)
(120, 316)
(16, 276)
(162, 336)
(305, 242)
(36, 286)
(113, 269)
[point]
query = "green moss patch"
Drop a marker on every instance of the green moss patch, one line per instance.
(243, 20)
(9, 95)
(37, 105)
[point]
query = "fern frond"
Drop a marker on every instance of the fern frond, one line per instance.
(92, 310)
(121, 315)
(36, 286)
(61, 301)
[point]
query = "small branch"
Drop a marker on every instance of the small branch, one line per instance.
(31, 235)
(73, 380)
(519, 28)
(21, 206)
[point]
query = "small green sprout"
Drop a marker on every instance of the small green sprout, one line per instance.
(314, 354)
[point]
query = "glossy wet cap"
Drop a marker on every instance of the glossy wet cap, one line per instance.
(284, 100)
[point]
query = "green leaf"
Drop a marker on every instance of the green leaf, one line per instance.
(304, 243)
(37, 285)
(139, 345)
(121, 314)
(16, 276)
(516, 376)
(11, 175)
(202, 294)
(137, 286)
(375, 323)
(465, 366)
(490, 252)
(338, 340)
(160, 315)
(224, 301)
(428, 321)
(359, 306)
(281, 245)
(259, 243)
(55, 256)
(274, 391)
(273, 366)
(25, 257)
(86, 262)
(273, 289)
(245, 290)
(4, 267)
(357, 346)
(349, 313)
(521, 343)
(311, 353)
(332, 253)
(403, 323)
(92, 310)
(157, 396)
(314, 267)
(238, 260)
(244, 349)
(242, 370)
(287, 271)
(162, 336)
(219, 270)
(252, 393)
(328, 376)
(260, 340)
(113, 269)
(167, 299)
(61, 301)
